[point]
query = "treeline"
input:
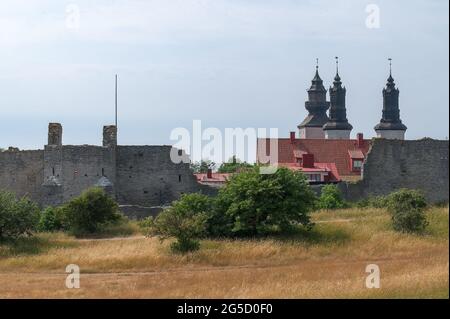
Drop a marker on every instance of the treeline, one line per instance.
(251, 204)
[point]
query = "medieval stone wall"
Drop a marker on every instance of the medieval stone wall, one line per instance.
(147, 176)
(21, 172)
(394, 164)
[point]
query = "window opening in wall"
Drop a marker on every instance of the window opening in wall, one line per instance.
(179, 178)
(53, 171)
(103, 172)
(357, 164)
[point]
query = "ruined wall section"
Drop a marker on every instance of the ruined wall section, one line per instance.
(21, 172)
(146, 176)
(84, 167)
(394, 164)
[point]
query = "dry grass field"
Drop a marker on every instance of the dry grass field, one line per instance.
(330, 262)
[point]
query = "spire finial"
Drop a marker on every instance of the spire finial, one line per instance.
(390, 66)
(337, 64)
(317, 64)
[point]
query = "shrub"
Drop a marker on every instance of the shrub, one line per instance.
(407, 208)
(17, 216)
(90, 212)
(251, 203)
(234, 165)
(185, 220)
(52, 219)
(331, 198)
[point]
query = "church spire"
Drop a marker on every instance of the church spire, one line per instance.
(317, 107)
(391, 126)
(337, 126)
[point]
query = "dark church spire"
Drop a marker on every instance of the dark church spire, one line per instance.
(391, 125)
(337, 126)
(317, 107)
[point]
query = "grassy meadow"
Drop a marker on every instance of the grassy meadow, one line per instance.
(328, 262)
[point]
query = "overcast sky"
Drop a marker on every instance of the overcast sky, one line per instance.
(229, 63)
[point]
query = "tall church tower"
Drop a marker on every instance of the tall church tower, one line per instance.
(337, 127)
(317, 106)
(391, 126)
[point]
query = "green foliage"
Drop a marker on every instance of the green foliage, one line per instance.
(407, 208)
(202, 166)
(373, 202)
(17, 216)
(186, 221)
(331, 198)
(234, 165)
(90, 212)
(52, 219)
(252, 203)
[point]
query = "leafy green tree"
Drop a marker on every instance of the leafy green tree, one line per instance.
(52, 219)
(90, 212)
(186, 221)
(251, 203)
(331, 198)
(234, 165)
(17, 216)
(407, 208)
(202, 166)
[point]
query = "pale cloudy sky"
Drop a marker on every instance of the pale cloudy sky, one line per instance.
(229, 63)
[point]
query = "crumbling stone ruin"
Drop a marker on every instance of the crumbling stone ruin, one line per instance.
(137, 176)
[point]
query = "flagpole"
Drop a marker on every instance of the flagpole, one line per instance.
(116, 103)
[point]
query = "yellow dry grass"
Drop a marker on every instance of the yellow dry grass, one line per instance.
(330, 262)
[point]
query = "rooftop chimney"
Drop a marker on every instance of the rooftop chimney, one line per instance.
(209, 174)
(308, 160)
(360, 140)
(292, 137)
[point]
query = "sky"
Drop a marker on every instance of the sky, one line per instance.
(228, 63)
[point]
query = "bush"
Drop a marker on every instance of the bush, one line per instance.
(185, 220)
(407, 208)
(17, 216)
(52, 219)
(251, 203)
(90, 212)
(331, 198)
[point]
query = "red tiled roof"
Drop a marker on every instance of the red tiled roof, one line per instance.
(318, 168)
(324, 151)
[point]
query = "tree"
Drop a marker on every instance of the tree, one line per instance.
(202, 166)
(234, 165)
(252, 203)
(89, 212)
(17, 216)
(185, 220)
(331, 198)
(407, 208)
(52, 219)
